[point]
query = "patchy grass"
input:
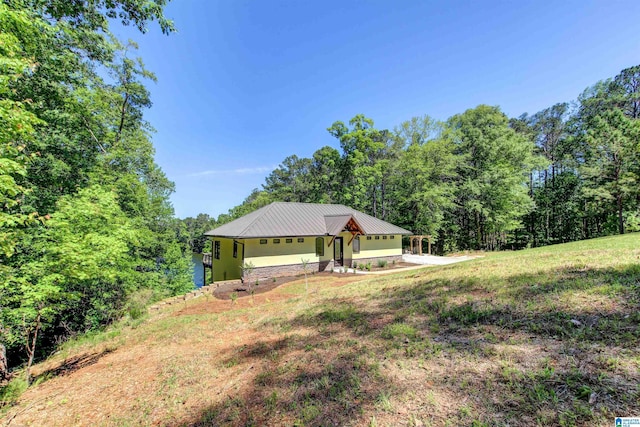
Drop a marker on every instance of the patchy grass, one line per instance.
(548, 336)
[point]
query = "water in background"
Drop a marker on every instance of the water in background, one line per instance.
(198, 274)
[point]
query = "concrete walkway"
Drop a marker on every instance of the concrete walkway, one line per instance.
(434, 260)
(420, 261)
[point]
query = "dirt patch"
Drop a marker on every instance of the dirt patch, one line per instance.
(225, 290)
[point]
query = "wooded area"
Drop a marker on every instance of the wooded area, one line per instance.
(480, 181)
(87, 232)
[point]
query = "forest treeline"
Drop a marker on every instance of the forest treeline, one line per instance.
(87, 232)
(479, 180)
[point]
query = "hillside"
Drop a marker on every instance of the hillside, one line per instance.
(547, 336)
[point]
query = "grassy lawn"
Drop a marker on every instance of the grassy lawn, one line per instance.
(547, 336)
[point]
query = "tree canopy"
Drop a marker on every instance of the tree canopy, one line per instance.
(86, 224)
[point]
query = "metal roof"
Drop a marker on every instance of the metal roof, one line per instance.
(334, 224)
(281, 219)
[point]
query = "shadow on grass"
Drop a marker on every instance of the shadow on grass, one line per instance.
(309, 380)
(325, 370)
(521, 303)
(71, 365)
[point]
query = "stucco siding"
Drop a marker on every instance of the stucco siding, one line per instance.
(378, 248)
(227, 267)
(283, 253)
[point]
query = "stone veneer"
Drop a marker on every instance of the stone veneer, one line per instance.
(288, 270)
(312, 267)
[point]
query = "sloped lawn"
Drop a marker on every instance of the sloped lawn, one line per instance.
(539, 337)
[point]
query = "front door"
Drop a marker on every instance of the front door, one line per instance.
(337, 251)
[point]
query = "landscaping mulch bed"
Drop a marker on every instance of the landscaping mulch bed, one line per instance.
(225, 290)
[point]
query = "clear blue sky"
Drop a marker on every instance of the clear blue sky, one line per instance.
(243, 84)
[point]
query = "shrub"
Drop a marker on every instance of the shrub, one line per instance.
(382, 263)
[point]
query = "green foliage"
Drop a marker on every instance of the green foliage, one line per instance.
(191, 232)
(495, 162)
(424, 199)
(86, 228)
(16, 126)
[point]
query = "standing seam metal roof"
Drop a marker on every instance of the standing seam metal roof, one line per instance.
(280, 219)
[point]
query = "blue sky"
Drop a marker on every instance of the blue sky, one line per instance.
(243, 84)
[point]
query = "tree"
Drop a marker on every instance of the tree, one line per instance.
(325, 176)
(290, 181)
(367, 153)
(16, 128)
(495, 163)
(194, 229)
(421, 201)
(606, 136)
(611, 158)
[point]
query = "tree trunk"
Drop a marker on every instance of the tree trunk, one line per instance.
(4, 370)
(620, 218)
(30, 346)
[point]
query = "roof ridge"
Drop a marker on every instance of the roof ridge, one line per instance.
(258, 216)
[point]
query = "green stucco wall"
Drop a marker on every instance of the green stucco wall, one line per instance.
(264, 255)
(379, 248)
(227, 267)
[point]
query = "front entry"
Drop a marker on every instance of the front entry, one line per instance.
(337, 252)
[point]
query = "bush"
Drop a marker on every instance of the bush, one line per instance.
(138, 301)
(368, 266)
(382, 263)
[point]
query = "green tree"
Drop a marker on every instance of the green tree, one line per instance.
(194, 231)
(290, 182)
(366, 160)
(16, 128)
(611, 161)
(425, 177)
(495, 164)
(325, 177)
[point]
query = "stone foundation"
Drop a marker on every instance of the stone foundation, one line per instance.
(288, 270)
(260, 273)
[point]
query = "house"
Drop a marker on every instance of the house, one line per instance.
(276, 238)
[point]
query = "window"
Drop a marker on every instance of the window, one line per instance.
(319, 246)
(384, 237)
(216, 249)
(235, 249)
(289, 240)
(392, 237)
(276, 241)
(356, 245)
(368, 237)
(377, 237)
(263, 241)
(300, 239)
